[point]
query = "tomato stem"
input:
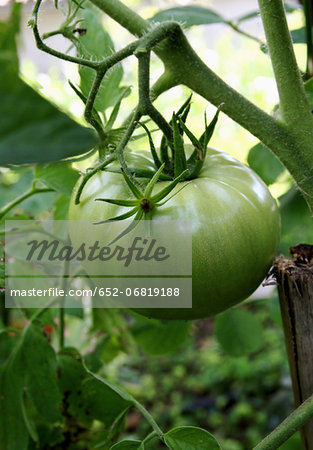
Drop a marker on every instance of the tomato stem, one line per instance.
(145, 105)
(18, 200)
(288, 427)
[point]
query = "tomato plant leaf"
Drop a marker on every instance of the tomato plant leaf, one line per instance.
(190, 438)
(31, 128)
(98, 44)
(253, 14)
(60, 177)
(31, 367)
(109, 125)
(41, 375)
(296, 221)
(189, 16)
(8, 32)
(308, 86)
(128, 445)
(160, 338)
(34, 128)
(238, 332)
(265, 163)
(87, 398)
(61, 206)
(298, 36)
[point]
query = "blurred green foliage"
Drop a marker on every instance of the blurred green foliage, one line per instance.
(238, 399)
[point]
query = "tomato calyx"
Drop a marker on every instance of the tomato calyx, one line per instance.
(144, 201)
(146, 205)
(172, 153)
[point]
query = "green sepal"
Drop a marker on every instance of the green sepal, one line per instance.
(140, 173)
(209, 129)
(164, 154)
(121, 217)
(185, 105)
(196, 169)
(180, 163)
(171, 196)
(116, 109)
(162, 194)
(195, 142)
(130, 227)
(118, 202)
(152, 147)
(183, 117)
(152, 182)
(131, 185)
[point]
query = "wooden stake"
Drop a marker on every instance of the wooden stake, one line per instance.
(295, 286)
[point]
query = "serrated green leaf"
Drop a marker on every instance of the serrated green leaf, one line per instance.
(265, 163)
(238, 332)
(161, 338)
(98, 44)
(189, 16)
(190, 438)
(60, 177)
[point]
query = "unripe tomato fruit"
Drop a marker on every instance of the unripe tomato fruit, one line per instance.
(235, 228)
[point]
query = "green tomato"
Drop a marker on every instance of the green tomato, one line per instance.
(235, 228)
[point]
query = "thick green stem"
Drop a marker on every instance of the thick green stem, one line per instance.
(288, 427)
(294, 106)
